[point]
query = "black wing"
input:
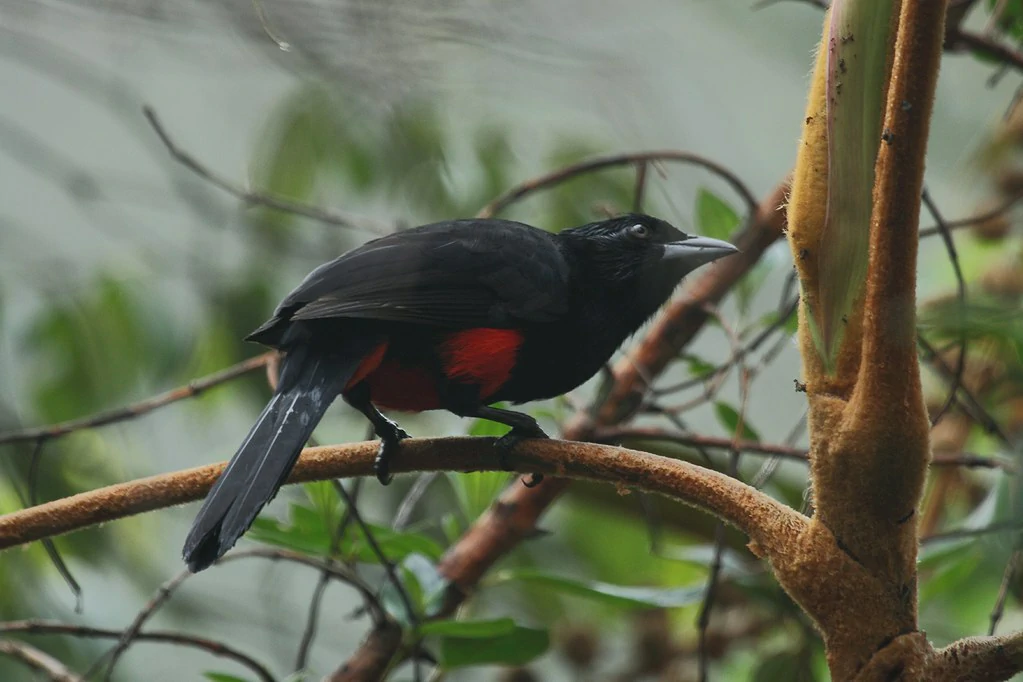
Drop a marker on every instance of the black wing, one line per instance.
(462, 273)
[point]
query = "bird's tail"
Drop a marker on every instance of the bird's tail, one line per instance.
(309, 383)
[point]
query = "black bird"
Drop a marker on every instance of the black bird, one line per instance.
(456, 315)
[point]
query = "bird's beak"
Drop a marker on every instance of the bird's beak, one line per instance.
(696, 251)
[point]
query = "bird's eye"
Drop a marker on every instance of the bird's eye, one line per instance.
(639, 230)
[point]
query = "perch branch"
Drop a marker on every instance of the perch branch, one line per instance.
(756, 514)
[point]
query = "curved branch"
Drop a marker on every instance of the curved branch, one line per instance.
(602, 162)
(40, 661)
(46, 627)
(767, 521)
(978, 658)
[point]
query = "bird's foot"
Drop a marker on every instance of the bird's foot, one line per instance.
(390, 442)
(506, 443)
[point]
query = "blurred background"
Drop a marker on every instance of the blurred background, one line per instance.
(125, 273)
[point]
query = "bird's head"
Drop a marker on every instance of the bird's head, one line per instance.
(643, 256)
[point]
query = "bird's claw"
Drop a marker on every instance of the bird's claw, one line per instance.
(389, 443)
(506, 443)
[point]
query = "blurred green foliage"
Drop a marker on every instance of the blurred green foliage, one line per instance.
(116, 338)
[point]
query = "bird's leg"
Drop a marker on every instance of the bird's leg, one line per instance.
(523, 427)
(389, 433)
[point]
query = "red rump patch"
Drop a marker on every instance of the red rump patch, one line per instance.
(368, 365)
(406, 388)
(481, 356)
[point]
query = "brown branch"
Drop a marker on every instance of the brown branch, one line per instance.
(253, 198)
(978, 659)
(978, 218)
(44, 627)
(189, 390)
(39, 661)
(751, 511)
(959, 40)
(373, 657)
(615, 434)
(638, 159)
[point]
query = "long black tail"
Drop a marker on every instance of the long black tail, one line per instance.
(309, 383)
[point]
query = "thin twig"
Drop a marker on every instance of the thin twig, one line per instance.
(45, 627)
(953, 257)
(1008, 576)
(389, 567)
(254, 198)
(970, 221)
(336, 570)
(163, 593)
(189, 390)
(562, 174)
(313, 617)
(38, 660)
(960, 533)
(750, 347)
(30, 500)
(637, 198)
(970, 404)
(412, 498)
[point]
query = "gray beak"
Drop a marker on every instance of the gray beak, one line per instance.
(696, 251)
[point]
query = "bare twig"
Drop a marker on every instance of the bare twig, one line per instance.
(30, 500)
(637, 199)
(970, 221)
(953, 257)
(38, 660)
(998, 610)
(312, 618)
(562, 174)
(189, 390)
(389, 567)
(253, 198)
(408, 505)
(132, 631)
(965, 398)
(45, 627)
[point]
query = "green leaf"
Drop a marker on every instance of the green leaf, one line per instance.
(697, 366)
(424, 585)
(468, 629)
(714, 217)
(475, 491)
(223, 677)
(729, 418)
(432, 585)
(703, 555)
(786, 665)
(517, 647)
(614, 595)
